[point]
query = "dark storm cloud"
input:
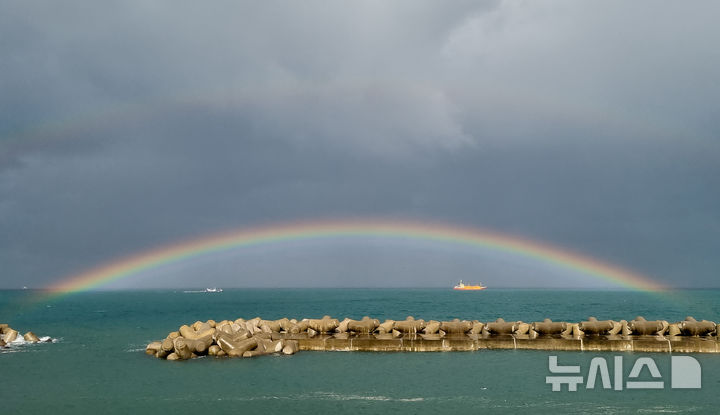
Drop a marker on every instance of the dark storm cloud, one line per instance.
(128, 125)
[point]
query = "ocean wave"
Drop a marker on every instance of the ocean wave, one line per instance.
(18, 341)
(331, 396)
(666, 410)
(20, 344)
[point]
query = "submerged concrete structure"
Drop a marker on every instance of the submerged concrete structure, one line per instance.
(255, 337)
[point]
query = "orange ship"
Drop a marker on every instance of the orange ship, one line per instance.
(463, 286)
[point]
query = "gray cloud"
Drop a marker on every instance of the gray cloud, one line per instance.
(129, 125)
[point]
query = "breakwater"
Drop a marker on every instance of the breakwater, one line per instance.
(9, 337)
(256, 337)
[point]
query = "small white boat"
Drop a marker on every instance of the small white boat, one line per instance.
(213, 290)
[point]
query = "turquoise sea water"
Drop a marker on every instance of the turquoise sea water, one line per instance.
(99, 365)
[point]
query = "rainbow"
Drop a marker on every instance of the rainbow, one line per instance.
(274, 234)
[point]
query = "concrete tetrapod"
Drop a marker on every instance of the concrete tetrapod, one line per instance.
(644, 327)
(235, 348)
(273, 326)
(291, 347)
(456, 326)
(499, 326)
(432, 327)
(324, 325)
(265, 346)
(692, 327)
(343, 326)
(547, 326)
(300, 326)
(410, 325)
(9, 335)
(594, 326)
(386, 327)
(477, 327)
(522, 328)
(365, 326)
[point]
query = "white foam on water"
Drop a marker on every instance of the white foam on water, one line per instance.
(665, 410)
(331, 396)
(20, 344)
(326, 396)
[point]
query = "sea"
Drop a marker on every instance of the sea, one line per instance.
(97, 364)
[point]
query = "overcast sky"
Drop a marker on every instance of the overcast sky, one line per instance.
(594, 126)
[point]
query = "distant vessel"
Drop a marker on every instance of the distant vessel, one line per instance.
(463, 286)
(207, 290)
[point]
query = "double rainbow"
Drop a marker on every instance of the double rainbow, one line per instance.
(315, 230)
